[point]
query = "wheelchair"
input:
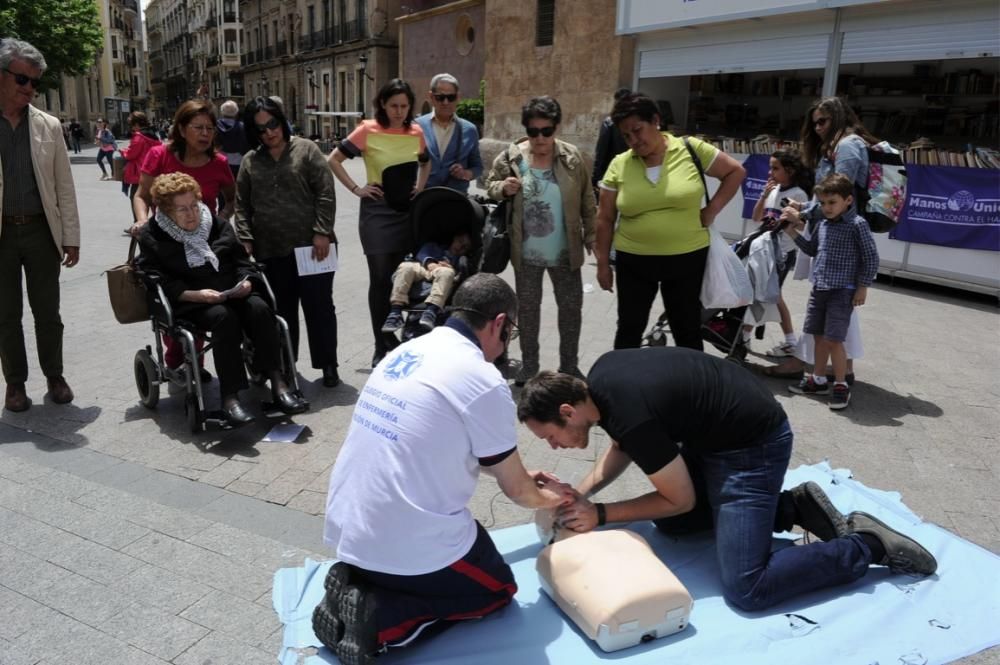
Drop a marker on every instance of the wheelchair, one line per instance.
(151, 371)
(437, 215)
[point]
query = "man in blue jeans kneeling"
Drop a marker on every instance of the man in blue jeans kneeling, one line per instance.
(715, 444)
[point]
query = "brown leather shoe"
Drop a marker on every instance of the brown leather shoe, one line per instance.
(59, 390)
(17, 398)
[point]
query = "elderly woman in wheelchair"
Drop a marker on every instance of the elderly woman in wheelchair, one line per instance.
(196, 262)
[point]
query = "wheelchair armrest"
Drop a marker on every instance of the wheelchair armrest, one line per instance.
(266, 292)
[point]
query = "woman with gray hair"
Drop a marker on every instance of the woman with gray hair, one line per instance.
(552, 222)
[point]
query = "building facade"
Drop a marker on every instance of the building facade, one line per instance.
(458, 31)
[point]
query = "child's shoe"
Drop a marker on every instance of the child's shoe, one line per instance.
(840, 397)
(394, 321)
(782, 350)
(429, 318)
(808, 386)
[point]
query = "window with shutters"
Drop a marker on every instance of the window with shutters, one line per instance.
(546, 22)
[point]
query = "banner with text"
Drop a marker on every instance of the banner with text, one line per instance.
(753, 184)
(952, 207)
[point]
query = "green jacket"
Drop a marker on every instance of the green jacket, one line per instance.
(573, 175)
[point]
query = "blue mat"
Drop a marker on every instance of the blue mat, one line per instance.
(881, 618)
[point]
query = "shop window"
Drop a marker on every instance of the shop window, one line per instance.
(546, 22)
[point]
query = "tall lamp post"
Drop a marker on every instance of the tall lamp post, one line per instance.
(363, 76)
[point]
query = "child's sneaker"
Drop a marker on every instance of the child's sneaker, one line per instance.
(782, 350)
(840, 397)
(808, 386)
(393, 322)
(429, 318)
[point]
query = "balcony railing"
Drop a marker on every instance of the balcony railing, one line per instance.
(211, 21)
(306, 43)
(281, 48)
(229, 17)
(268, 53)
(212, 61)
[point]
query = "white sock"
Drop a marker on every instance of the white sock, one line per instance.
(840, 383)
(820, 380)
(791, 339)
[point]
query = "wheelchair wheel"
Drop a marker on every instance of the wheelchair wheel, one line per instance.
(194, 416)
(147, 379)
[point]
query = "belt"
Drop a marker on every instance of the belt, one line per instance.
(23, 219)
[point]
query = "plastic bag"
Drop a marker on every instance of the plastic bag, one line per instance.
(726, 283)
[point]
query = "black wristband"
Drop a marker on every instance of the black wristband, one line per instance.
(602, 514)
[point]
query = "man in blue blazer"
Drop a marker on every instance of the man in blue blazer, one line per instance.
(453, 143)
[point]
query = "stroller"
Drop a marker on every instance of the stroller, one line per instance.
(722, 328)
(438, 214)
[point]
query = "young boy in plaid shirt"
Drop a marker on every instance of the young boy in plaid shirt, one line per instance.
(846, 262)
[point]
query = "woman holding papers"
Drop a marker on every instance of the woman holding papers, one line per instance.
(205, 272)
(285, 202)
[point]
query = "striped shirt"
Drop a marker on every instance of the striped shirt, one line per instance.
(846, 256)
(20, 190)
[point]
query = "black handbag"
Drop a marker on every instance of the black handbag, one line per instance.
(496, 239)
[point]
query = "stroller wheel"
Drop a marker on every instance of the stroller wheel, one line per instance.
(147, 379)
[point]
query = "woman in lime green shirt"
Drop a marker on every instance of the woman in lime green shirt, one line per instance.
(662, 240)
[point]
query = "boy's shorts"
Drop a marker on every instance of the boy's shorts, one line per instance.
(829, 313)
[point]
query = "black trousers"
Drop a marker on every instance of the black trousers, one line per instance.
(380, 269)
(315, 293)
(227, 322)
(677, 278)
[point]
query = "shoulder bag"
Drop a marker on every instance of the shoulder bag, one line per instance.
(126, 290)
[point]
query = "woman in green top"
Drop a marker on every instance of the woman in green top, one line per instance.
(662, 239)
(552, 223)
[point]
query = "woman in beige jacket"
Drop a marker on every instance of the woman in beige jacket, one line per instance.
(552, 222)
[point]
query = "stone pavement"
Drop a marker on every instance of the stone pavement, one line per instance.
(125, 538)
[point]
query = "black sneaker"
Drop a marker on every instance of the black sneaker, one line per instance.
(840, 397)
(429, 318)
(816, 513)
(393, 322)
(902, 553)
(359, 642)
(808, 386)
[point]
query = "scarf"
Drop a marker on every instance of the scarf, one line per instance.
(196, 248)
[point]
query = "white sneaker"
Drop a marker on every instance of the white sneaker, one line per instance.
(782, 350)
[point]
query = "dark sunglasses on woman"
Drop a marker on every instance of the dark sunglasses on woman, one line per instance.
(23, 79)
(533, 132)
(445, 98)
(273, 123)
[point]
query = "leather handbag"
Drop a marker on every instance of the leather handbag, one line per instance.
(496, 241)
(126, 290)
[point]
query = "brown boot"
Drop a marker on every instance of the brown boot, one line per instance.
(17, 398)
(59, 390)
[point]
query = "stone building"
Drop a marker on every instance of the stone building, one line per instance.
(567, 50)
(172, 71)
(457, 30)
(324, 58)
(216, 36)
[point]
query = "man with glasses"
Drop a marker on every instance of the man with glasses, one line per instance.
(432, 416)
(452, 142)
(40, 228)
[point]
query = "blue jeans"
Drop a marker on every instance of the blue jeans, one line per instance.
(741, 488)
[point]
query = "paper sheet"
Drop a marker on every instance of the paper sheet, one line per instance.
(307, 265)
(284, 433)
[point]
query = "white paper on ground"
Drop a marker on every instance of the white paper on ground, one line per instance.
(284, 433)
(307, 265)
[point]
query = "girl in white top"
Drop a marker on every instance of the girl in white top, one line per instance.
(788, 178)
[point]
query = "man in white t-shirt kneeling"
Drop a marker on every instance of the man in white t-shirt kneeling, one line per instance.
(434, 413)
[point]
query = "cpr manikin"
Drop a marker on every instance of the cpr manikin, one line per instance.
(611, 584)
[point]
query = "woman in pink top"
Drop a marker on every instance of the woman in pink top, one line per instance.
(143, 140)
(190, 149)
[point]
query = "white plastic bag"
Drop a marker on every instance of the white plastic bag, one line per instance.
(726, 283)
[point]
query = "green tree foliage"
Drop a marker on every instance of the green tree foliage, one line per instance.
(474, 109)
(67, 32)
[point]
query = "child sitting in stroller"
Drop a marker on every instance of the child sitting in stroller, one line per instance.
(441, 266)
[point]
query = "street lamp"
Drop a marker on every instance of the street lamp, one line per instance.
(363, 75)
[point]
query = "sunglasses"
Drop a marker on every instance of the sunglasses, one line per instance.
(23, 79)
(533, 132)
(821, 122)
(444, 98)
(273, 123)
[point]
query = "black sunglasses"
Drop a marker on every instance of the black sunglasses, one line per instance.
(444, 98)
(23, 79)
(533, 132)
(273, 123)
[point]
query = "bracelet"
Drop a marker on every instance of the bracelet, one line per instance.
(355, 189)
(602, 514)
